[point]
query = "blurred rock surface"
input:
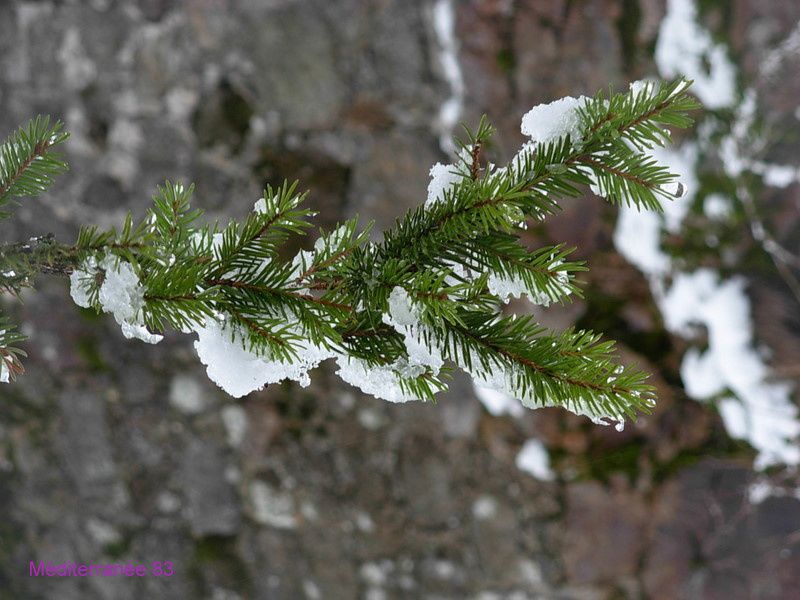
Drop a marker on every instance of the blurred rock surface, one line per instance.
(320, 492)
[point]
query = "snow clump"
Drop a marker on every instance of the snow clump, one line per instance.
(443, 179)
(545, 123)
(506, 288)
(239, 371)
(120, 293)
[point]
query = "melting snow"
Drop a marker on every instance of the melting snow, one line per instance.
(534, 459)
(716, 206)
(686, 48)
(235, 420)
(140, 332)
(444, 25)
(751, 406)
(638, 233)
(80, 281)
(762, 411)
(505, 288)
(121, 294)
(272, 507)
(379, 381)
(443, 179)
(548, 122)
(421, 354)
(503, 381)
(384, 381)
(239, 371)
(496, 402)
(763, 489)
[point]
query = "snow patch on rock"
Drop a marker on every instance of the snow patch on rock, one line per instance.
(534, 460)
(685, 48)
(272, 507)
(444, 25)
(762, 411)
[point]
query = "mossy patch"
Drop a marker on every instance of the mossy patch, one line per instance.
(215, 562)
(506, 60)
(628, 28)
(601, 462)
(604, 313)
(87, 348)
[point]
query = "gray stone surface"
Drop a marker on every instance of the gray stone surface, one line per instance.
(212, 506)
(320, 492)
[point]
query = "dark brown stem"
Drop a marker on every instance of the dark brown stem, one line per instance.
(323, 265)
(616, 172)
(20, 262)
(231, 283)
(475, 164)
(257, 329)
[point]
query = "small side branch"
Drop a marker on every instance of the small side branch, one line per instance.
(20, 262)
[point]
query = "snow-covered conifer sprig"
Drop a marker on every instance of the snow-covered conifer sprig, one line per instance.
(398, 315)
(10, 364)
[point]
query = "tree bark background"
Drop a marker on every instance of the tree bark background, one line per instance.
(113, 451)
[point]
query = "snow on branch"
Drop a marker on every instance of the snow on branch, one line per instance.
(399, 315)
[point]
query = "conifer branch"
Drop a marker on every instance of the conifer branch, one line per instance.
(10, 364)
(396, 315)
(28, 164)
